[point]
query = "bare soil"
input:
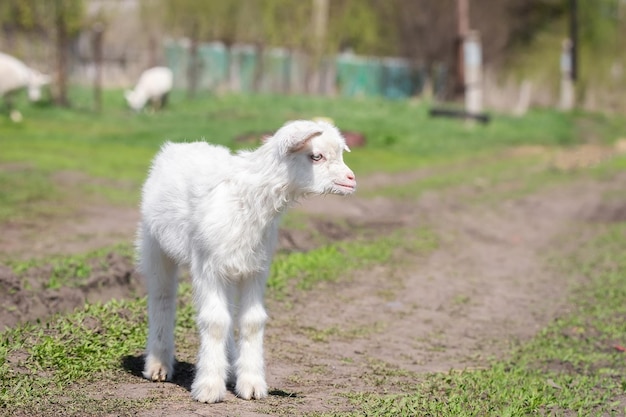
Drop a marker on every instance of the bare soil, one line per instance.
(487, 286)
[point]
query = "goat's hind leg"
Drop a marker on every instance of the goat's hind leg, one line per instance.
(160, 273)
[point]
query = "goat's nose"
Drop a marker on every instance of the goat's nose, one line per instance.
(350, 176)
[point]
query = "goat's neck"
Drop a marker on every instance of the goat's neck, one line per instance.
(270, 193)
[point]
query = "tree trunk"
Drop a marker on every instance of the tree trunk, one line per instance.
(98, 32)
(62, 46)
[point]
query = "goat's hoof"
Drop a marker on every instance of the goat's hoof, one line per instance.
(208, 392)
(157, 375)
(156, 371)
(249, 387)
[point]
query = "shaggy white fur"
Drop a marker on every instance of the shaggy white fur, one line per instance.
(219, 212)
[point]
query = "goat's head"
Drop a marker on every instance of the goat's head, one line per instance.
(136, 99)
(314, 151)
(36, 81)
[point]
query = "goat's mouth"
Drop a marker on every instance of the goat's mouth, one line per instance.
(341, 188)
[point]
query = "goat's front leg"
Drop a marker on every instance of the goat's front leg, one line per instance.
(250, 370)
(213, 297)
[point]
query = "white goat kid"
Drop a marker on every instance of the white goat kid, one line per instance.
(153, 86)
(219, 213)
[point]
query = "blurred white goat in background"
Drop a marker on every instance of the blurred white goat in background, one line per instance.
(15, 76)
(153, 86)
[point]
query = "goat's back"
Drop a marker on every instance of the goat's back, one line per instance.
(155, 81)
(13, 74)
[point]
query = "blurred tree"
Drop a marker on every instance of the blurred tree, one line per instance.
(152, 16)
(60, 20)
(19, 16)
(363, 26)
(68, 18)
(421, 30)
(196, 21)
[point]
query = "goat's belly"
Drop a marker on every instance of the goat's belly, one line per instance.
(241, 262)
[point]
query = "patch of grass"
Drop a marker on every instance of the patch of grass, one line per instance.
(304, 270)
(21, 191)
(70, 271)
(573, 367)
(494, 177)
(37, 358)
(88, 344)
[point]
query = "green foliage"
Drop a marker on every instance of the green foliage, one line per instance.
(358, 24)
(30, 15)
(601, 52)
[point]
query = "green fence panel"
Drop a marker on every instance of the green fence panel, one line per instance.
(244, 61)
(283, 71)
(276, 71)
(213, 66)
(176, 58)
(440, 79)
(359, 76)
(397, 79)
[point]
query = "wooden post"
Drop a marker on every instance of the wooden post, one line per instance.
(96, 44)
(320, 23)
(573, 35)
(62, 52)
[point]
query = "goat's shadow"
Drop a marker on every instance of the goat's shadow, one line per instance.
(183, 371)
(183, 375)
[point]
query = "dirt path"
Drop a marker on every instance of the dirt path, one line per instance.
(486, 286)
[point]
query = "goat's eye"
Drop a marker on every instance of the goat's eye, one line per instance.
(316, 157)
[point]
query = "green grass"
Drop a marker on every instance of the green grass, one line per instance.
(305, 269)
(72, 270)
(575, 366)
(49, 358)
(114, 148)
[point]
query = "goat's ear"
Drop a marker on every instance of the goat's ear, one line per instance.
(299, 140)
(346, 148)
(295, 136)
